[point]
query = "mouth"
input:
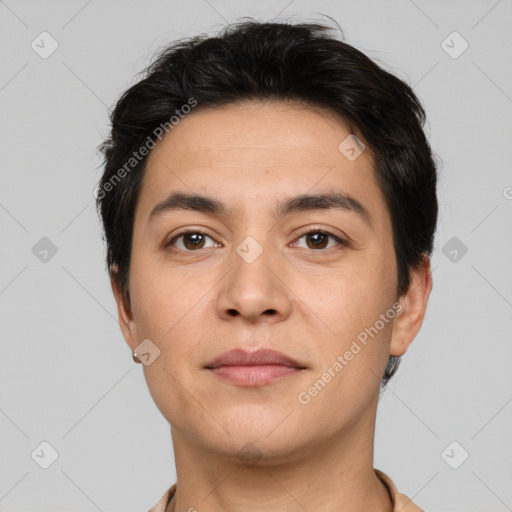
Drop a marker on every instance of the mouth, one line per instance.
(253, 368)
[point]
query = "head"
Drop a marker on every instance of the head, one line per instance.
(301, 172)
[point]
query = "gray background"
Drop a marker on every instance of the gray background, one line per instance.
(66, 373)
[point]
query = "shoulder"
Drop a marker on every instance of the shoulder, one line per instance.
(401, 503)
(164, 500)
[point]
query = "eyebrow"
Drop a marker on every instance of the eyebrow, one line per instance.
(296, 204)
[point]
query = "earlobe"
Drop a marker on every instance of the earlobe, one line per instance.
(414, 304)
(125, 315)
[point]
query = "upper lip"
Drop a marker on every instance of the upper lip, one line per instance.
(240, 357)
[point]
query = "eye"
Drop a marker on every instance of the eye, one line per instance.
(318, 239)
(191, 241)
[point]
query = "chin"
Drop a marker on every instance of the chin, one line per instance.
(261, 434)
(251, 450)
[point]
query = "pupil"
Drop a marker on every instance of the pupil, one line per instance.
(319, 237)
(194, 239)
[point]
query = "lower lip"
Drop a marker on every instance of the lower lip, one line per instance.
(254, 375)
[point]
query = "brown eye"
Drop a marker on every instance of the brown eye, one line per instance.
(189, 241)
(320, 240)
(317, 240)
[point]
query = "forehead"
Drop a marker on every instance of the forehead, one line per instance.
(254, 153)
(266, 130)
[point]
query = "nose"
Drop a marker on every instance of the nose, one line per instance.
(255, 289)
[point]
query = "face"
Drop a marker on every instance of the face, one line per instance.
(254, 268)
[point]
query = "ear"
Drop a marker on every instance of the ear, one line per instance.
(414, 304)
(124, 311)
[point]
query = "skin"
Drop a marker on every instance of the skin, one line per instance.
(306, 302)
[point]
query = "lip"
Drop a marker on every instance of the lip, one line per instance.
(253, 368)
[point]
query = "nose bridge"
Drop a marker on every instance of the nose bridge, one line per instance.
(253, 258)
(253, 287)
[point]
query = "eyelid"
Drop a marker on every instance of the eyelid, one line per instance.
(322, 229)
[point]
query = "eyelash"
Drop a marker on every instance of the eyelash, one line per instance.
(339, 240)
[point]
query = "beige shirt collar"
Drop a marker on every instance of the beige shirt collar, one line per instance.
(401, 503)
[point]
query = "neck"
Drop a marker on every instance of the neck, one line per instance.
(335, 474)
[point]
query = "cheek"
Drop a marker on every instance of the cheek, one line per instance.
(173, 310)
(354, 305)
(164, 301)
(168, 310)
(352, 296)
(350, 363)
